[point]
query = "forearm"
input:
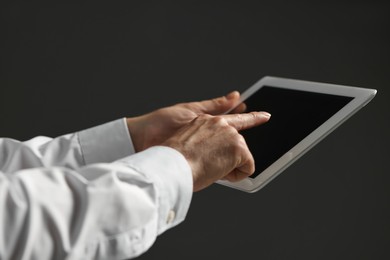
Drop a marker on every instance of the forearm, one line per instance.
(104, 143)
(100, 211)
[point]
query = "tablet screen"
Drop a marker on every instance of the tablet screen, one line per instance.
(295, 114)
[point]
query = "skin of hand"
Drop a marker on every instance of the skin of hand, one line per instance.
(158, 126)
(214, 148)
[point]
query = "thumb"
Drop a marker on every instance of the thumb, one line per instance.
(219, 105)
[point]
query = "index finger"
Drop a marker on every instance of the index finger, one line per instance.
(246, 120)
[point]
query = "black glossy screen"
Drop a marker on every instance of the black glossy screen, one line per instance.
(295, 114)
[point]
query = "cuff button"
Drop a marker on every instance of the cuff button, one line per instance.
(171, 216)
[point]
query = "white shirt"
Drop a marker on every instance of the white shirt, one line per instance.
(87, 195)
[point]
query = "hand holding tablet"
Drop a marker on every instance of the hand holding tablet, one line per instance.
(303, 113)
(214, 149)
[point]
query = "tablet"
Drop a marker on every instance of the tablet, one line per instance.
(303, 113)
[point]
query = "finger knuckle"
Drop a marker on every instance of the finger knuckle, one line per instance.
(237, 148)
(240, 144)
(254, 116)
(251, 162)
(218, 120)
(240, 139)
(231, 131)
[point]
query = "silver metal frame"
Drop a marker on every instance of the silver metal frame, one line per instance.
(361, 97)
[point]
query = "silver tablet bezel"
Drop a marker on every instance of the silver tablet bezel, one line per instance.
(361, 97)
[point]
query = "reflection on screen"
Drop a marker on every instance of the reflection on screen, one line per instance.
(295, 114)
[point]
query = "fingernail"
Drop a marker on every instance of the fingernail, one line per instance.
(266, 114)
(232, 94)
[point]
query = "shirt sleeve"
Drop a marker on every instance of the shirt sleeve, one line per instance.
(100, 211)
(104, 143)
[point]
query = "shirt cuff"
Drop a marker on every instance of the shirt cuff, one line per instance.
(106, 143)
(170, 172)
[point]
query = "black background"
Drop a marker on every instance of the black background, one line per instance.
(66, 67)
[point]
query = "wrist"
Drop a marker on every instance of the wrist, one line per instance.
(192, 161)
(133, 126)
